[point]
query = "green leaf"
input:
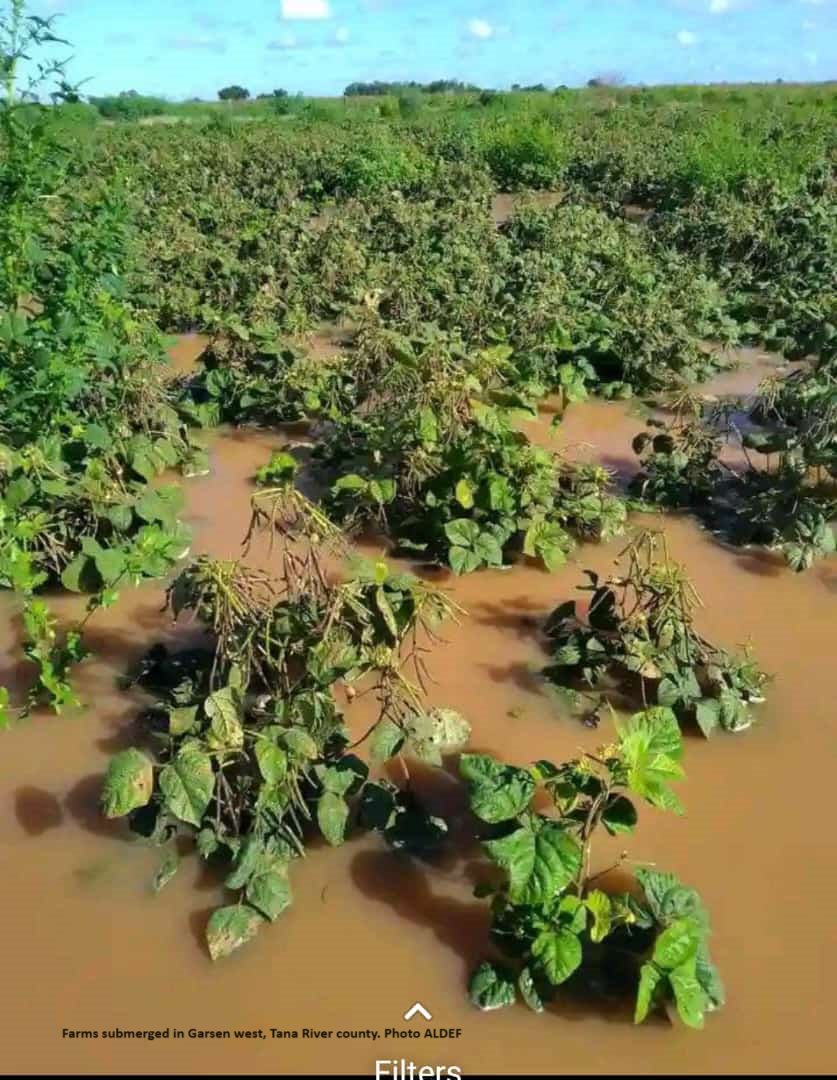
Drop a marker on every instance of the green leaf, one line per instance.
(489, 549)
(345, 777)
(387, 614)
(272, 761)
(515, 853)
(463, 532)
(528, 990)
(5, 711)
(269, 890)
(650, 978)
(708, 715)
(599, 905)
(224, 711)
(557, 862)
(249, 857)
(540, 864)
(231, 927)
(182, 720)
(559, 953)
(464, 494)
(677, 945)
(18, 492)
(463, 560)
(168, 868)
(187, 784)
(351, 482)
(689, 995)
(387, 741)
(110, 562)
(207, 843)
(491, 987)
(129, 783)
(651, 745)
(709, 979)
(428, 428)
(98, 437)
(332, 817)
(80, 575)
(300, 744)
(498, 792)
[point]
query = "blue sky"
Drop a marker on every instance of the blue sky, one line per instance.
(185, 48)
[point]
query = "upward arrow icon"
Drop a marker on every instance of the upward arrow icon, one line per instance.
(417, 1008)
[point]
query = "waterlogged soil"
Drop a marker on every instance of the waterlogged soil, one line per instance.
(91, 947)
(505, 205)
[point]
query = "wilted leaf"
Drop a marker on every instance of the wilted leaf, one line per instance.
(269, 889)
(224, 711)
(272, 761)
(128, 783)
(231, 927)
(491, 987)
(168, 868)
(332, 817)
(650, 978)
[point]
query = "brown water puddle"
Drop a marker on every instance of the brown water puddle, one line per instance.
(505, 205)
(185, 354)
(91, 947)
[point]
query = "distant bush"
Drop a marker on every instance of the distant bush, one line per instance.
(129, 105)
(234, 93)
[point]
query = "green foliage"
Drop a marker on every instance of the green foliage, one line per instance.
(435, 458)
(638, 640)
(129, 106)
(786, 500)
(86, 417)
(248, 751)
(549, 920)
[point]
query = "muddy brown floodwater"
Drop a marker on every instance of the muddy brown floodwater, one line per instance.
(88, 945)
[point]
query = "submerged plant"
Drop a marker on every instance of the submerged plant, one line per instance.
(549, 920)
(247, 750)
(638, 643)
(787, 500)
(436, 461)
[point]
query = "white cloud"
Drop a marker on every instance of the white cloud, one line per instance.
(686, 38)
(284, 41)
(342, 35)
(199, 41)
(718, 7)
(306, 9)
(480, 28)
(811, 58)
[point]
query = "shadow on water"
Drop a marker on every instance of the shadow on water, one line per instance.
(37, 810)
(404, 886)
(522, 615)
(82, 803)
(198, 921)
(524, 676)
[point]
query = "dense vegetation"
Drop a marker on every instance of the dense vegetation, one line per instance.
(678, 220)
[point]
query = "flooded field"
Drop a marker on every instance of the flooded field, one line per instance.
(91, 946)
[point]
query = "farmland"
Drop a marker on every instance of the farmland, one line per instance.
(357, 456)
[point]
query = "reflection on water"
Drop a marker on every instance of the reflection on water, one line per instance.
(370, 931)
